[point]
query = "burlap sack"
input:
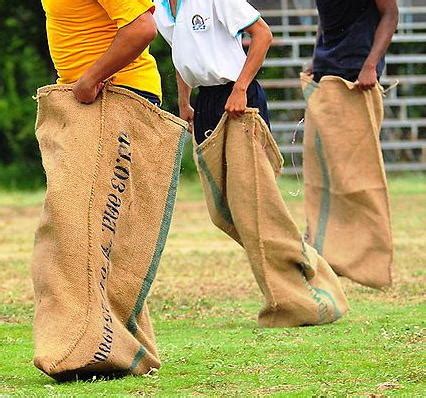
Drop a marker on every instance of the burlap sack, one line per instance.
(346, 197)
(112, 171)
(238, 165)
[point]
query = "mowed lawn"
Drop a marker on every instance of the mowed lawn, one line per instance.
(204, 305)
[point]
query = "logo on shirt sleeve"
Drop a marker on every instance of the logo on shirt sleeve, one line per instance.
(199, 23)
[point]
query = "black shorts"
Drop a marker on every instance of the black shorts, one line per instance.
(145, 94)
(351, 75)
(210, 106)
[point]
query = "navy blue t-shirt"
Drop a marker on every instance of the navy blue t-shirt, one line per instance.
(347, 29)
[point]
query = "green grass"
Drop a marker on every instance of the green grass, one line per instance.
(373, 350)
(204, 306)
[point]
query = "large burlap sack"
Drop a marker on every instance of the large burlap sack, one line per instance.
(112, 171)
(346, 197)
(238, 165)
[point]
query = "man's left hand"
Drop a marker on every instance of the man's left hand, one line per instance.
(367, 78)
(237, 102)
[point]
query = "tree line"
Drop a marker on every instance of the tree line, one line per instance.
(25, 65)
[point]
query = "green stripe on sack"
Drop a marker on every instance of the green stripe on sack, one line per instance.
(329, 296)
(219, 200)
(320, 292)
(318, 298)
(325, 198)
(138, 358)
(161, 241)
(309, 90)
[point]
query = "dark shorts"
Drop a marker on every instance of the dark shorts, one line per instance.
(145, 94)
(351, 76)
(210, 106)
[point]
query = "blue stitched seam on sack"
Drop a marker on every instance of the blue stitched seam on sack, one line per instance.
(312, 289)
(322, 292)
(138, 358)
(315, 296)
(325, 198)
(309, 90)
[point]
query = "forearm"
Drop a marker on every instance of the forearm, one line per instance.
(129, 42)
(186, 112)
(261, 38)
(184, 91)
(383, 37)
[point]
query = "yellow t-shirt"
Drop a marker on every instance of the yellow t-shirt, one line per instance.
(80, 31)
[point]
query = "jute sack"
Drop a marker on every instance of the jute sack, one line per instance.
(346, 196)
(112, 172)
(238, 165)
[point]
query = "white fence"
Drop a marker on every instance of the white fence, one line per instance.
(404, 128)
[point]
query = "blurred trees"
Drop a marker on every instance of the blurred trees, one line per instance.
(25, 65)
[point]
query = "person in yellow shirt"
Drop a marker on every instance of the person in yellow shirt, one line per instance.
(94, 40)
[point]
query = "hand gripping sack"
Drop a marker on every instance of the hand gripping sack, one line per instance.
(238, 165)
(346, 196)
(112, 171)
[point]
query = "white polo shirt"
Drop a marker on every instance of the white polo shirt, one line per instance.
(205, 38)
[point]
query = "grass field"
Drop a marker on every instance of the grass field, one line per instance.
(204, 305)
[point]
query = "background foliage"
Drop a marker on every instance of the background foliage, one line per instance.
(25, 65)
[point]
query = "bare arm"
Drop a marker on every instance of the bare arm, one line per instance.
(129, 42)
(261, 39)
(186, 112)
(387, 26)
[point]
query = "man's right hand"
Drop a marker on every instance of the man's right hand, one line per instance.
(186, 112)
(129, 42)
(86, 91)
(308, 69)
(367, 78)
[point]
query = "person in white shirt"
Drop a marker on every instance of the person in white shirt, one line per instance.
(205, 36)
(206, 41)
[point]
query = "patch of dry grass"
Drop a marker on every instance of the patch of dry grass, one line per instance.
(202, 263)
(204, 305)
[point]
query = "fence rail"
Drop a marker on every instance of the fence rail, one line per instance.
(389, 167)
(404, 127)
(312, 12)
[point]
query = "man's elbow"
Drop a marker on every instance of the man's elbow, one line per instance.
(261, 33)
(395, 17)
(150, 31)
(269, 37)
(143, 29)
(391, 14)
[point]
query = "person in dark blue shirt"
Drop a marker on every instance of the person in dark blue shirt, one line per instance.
(353, 36)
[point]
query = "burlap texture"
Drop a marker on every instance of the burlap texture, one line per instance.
(238, 165)
(346, 197)
(112, 172)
